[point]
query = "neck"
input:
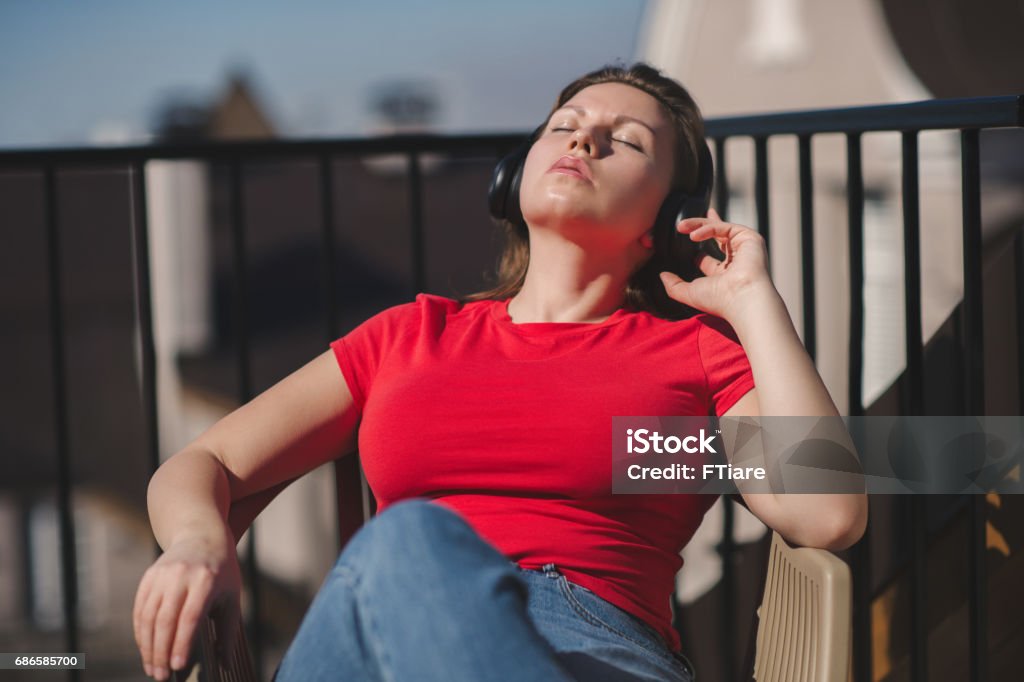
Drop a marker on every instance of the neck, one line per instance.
(566, 283)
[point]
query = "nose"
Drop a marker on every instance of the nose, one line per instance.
(584, 140)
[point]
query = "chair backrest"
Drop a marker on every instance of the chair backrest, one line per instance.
(804, 628)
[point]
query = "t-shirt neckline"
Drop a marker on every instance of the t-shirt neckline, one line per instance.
(499, 311)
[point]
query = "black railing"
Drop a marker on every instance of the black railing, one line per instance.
(968, 116)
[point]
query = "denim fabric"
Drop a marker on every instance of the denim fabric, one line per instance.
(418, 595)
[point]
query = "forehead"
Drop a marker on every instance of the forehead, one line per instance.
(619, 99)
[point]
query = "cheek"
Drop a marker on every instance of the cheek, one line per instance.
(642, 189)
(537, 197)
(530, 172)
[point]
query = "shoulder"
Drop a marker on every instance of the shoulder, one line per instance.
(714, 329)
(424, 310)
(431, 308)
(687, 326)
(712, 335)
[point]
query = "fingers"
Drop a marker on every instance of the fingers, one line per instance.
(169, 604)
(141, 641)
(147, 626)
(713, 218)
(164, 627)
(192, 612)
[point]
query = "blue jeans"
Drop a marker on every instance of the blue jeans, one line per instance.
(418, 595)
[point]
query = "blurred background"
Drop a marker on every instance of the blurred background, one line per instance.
(92, 76)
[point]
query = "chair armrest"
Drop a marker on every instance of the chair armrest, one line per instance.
(206, 666)
(804, 630)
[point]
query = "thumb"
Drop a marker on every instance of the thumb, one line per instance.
(676, 287)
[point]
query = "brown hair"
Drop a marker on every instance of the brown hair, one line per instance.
(644, 291)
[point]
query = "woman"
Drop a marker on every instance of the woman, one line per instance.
(498, 551)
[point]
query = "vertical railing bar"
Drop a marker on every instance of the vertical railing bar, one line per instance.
(721, 189)
(727, 546)
(727, 627)
(974, 391)
(861, 554)
(807, 245)
(241, 301)
(914, 380)
(416, 222)
(69, 572)
(1018, 268)
(721, 179)
(973, 314)
(144, 309)
(860, 568)
(347, 474)
(326, 178)
(855, 222)
(761, 190)
(912, 398)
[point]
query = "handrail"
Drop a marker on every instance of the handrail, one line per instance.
(1003, 111)
(229, 149)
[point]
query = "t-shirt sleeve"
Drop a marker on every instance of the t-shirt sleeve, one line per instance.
(726, 366)
(361, 352)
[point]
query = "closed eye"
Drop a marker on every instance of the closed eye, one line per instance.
(627, 142)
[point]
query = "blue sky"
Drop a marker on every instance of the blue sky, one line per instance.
(78, 72)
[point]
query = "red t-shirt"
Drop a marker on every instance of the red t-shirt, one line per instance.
(510, 425)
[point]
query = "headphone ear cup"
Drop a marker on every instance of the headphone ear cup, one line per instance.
(680, 205)
(677, 248)
(503, 193)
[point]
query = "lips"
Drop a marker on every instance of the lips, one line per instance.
(571, 165)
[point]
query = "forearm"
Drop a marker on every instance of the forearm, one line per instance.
(189, 495)
(787, 381)
(788, 385)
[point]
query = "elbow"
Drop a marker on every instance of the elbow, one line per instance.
(848, 527)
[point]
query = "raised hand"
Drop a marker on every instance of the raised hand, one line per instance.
(725, 283)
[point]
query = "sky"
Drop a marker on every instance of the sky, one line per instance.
(76, 73)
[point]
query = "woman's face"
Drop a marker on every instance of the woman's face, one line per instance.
(601, 168)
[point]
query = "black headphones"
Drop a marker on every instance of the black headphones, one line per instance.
(503, 198)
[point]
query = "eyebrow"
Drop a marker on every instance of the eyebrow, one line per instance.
(618, 119)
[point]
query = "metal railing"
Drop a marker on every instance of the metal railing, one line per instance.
(968, 116)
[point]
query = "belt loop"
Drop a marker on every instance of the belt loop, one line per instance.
(550, 570)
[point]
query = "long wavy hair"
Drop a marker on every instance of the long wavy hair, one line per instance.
(644, 290)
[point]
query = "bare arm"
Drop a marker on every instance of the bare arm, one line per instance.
(788, 384)
(303, 421)
(204, 496)
(739, 290)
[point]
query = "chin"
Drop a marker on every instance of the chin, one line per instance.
(558, 215)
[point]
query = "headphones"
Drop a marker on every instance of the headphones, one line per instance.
(503, 200)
